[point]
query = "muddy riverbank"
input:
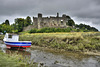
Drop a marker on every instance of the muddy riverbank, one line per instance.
(96, 53)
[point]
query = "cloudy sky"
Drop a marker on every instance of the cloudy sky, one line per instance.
(81, 11)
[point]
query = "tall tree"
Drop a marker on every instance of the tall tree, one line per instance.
(71, 22)
(28, 20)
(19, 22)
(7, 22)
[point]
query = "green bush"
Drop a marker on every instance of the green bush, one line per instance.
(49, 30)
(33, 31)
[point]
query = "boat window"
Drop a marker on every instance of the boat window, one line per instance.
(10, 36)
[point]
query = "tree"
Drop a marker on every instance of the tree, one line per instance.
(86, 28)
(7, 22)
(71, 22)
(6, 28)
(28, 20)
(0, 28)
(19, 22)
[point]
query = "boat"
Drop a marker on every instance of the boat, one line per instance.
(11, 40)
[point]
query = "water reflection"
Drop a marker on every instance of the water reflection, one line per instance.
(56, 59)
(10, 51)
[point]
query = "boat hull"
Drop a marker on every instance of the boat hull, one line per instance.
(23, 44)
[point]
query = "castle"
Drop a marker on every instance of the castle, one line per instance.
(56, 22)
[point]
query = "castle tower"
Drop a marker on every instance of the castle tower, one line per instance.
(39, 15)
(57, 14)
(39, 20)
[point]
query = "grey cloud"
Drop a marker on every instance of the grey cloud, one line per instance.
(75, 8)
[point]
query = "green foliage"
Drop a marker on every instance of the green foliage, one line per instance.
(68, 17)
(71, 22)
(15, 31)
(15, 60)
(85, 28)
(5, 28)
(9, 61)
(80, 41)
(1, 37)
(6, 22)
(33, 31)
(48, 30)
(0, 28)
(27, 21)
(19, 22)
(18, 26)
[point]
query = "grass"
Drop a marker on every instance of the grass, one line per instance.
(14, 60)
(1, 37)
(72, 41)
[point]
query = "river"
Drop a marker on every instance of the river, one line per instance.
(51, 58)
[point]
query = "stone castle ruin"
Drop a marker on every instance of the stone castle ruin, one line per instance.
(56, 22)
(51, 22)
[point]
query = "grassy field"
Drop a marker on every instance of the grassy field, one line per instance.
(72, 41)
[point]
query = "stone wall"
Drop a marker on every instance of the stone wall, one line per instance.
(57, 22)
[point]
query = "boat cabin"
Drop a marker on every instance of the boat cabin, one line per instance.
(11, 37)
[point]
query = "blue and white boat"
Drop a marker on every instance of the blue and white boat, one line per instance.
(12, 41)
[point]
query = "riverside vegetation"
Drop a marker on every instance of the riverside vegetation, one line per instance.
(1, 37)
(15, 60)
(72, 41)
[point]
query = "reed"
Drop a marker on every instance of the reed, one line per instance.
(1, 37)
(15, 60)
(72, 41)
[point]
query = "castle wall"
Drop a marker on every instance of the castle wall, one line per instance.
(35, 22)
(57, 22)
